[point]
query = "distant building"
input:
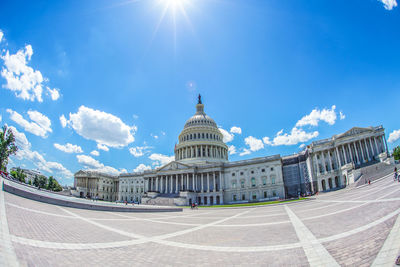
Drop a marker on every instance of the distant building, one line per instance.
(201, 172)
(30, 174)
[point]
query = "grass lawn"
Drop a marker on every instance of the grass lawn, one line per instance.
(251, 204)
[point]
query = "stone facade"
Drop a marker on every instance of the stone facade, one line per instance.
(201, 172)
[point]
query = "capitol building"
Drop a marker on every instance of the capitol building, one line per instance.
(202, 173)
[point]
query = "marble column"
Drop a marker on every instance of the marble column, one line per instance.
(351, 153)
(366, 149)
(157, 184)
(330, 160)
(338, 158)
(376, 146)
(161, 184)
(385, 143)
(208, 182)
(176, 184)
(214, 182)
(220, 181)
(201, 184)
(345, 155)
(372, 148)
(193, 185)
(356, 152)
(323, 162)
(187, 182)
(316, 161)
(362, 151)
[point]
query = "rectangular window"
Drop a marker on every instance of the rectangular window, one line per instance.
(243, 197)
(234, 198)
(273, 180)
(265, 194)
(274, 193)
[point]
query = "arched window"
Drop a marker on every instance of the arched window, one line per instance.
(202, 135)
(207, 135)
(242, 183)
(253, 182)
(234, 184)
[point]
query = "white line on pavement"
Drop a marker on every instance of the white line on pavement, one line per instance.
(390, 249)
(316, 253)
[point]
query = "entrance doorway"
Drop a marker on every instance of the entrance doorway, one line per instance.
(337, 181)
(205, 200)
(211, 200)
(330, 183)
(218, 200)
(323, 185)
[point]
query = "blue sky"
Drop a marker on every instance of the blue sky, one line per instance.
(108, 85)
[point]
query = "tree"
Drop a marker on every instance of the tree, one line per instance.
(7, 147)
(36, 181)
(53, 185)
(19, 175)
(42, 181)
(396, 153)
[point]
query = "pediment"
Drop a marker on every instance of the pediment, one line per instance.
(354, 131)
(80, 173)
(174, 165)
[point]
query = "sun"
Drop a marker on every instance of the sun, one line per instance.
(173, 4)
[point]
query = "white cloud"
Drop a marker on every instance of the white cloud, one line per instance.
(89, 161)
(123, 170)
(39, 126)
(316, 115)
(25, 152)
(1, 118)
(102, 147)
(141, 168)
(69, 148)
(245, 152)
(389, 4)
(394, 136)
(254, 143)
(342, 116)
(296, 136)
(302, 146)
(139, 150)
(135, 116)
(20, 139)
(104, 128)
(154, 136)
(160, 159)
(63, 121)
(54, 93)
(232, 150)
(163, 133)
(93, 164)
(227, 137)
(236, 130)
(95, 153)
(1, 36)
(267, 141)
(23, 80)
(40, 119)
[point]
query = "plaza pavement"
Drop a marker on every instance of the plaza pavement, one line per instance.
(349, 227)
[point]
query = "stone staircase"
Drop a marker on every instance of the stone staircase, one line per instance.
(375, 172)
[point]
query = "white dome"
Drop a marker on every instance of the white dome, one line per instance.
(201, 139)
